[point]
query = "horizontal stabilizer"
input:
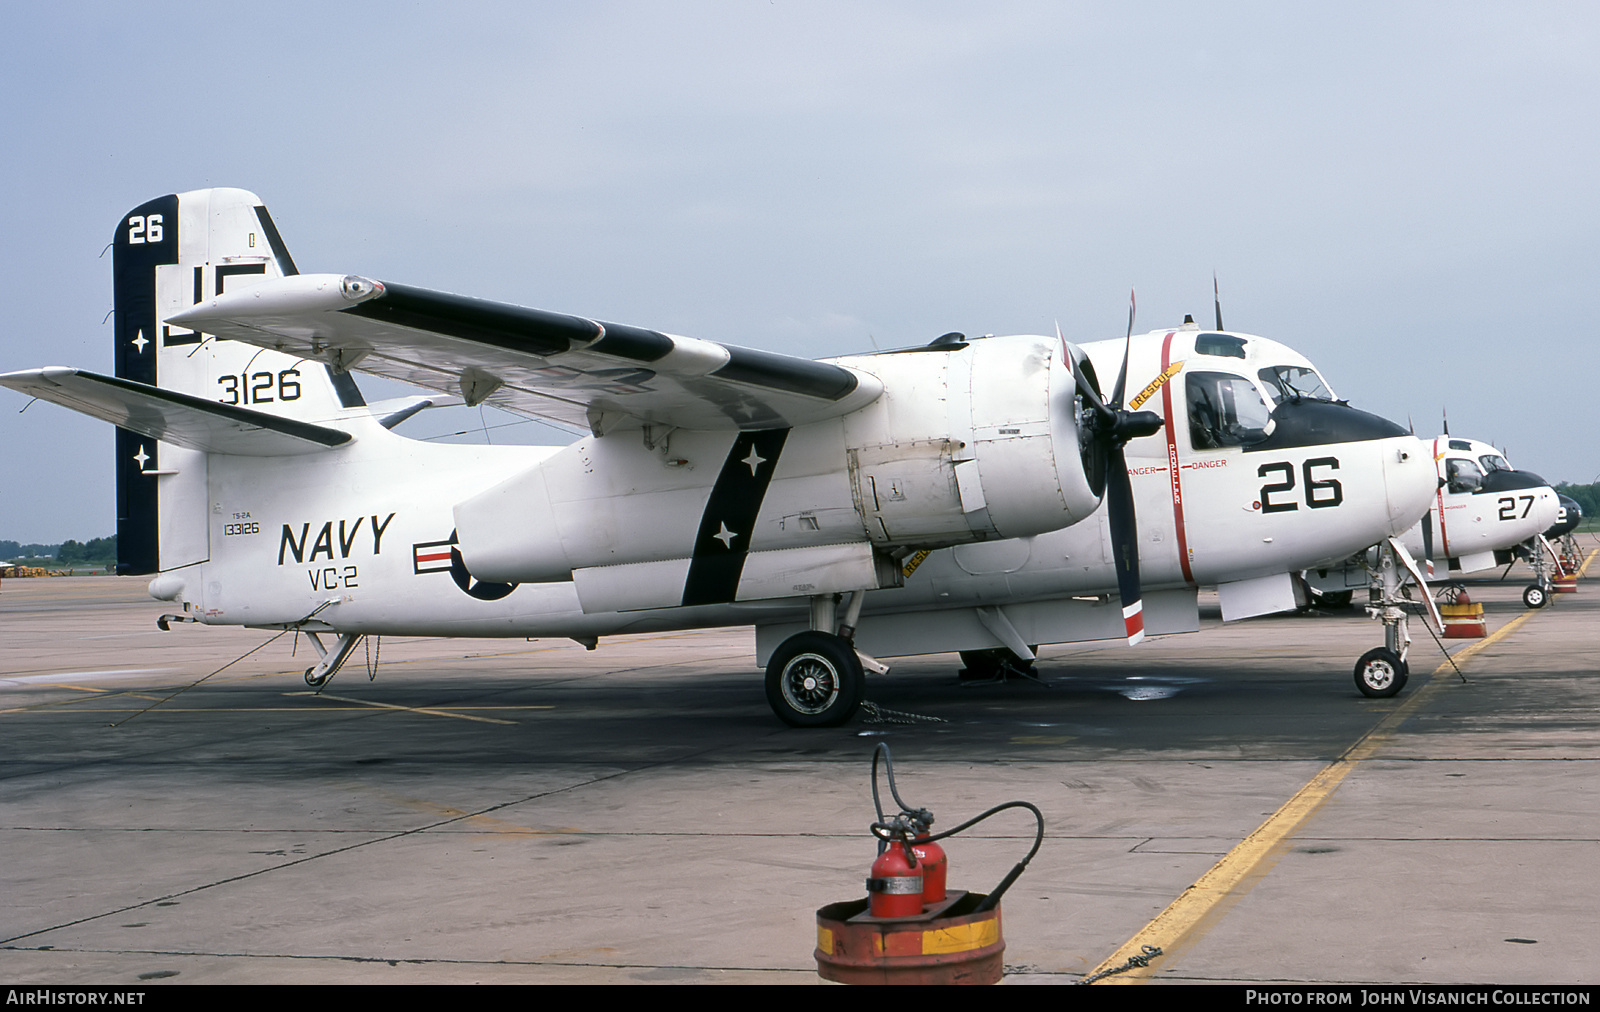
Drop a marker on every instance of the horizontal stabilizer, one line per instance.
(181, 419)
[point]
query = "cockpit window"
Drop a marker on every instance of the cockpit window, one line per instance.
(1462, 475)
(1493, 462)
(1294, 382)
(1222, 345)
(1460, 444)
(1225, 410)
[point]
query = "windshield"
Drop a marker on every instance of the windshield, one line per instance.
(1463, 475)
(1293, 382)
(1493, 462)
(1225, 410)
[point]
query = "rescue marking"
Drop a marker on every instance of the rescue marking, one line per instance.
(1156, 384)
(914, 561)
(1198, 907)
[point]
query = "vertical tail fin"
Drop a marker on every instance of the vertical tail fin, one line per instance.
(168, 254)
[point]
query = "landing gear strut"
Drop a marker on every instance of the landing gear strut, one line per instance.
(332, 660)
(1537, 593)
(1382, 672)
(816, 678)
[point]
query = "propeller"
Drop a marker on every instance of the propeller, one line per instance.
(1106, 429)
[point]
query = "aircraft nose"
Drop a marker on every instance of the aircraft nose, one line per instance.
(1410, 481)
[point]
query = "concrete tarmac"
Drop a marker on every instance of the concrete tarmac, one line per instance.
(530, 812)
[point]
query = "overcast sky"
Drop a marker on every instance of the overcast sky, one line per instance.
(1404, 193)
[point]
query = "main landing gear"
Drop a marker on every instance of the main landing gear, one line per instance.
(817, 678)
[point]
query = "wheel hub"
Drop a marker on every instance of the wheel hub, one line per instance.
(810, 684)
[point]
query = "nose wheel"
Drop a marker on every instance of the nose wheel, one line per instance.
(1380, 673)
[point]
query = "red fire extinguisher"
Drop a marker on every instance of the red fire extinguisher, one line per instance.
(934, 861)
(896, 885)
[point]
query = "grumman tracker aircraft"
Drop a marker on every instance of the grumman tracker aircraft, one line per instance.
(1485, 513)
(717, 485)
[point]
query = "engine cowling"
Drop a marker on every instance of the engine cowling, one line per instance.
(972, 444)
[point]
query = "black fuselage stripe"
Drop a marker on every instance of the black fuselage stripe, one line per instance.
(723, 541)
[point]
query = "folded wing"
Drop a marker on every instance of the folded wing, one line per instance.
(566, 369)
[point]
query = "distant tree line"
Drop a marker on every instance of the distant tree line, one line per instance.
(95, 551)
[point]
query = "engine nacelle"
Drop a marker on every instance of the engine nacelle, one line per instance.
(969, 441)
(970, 444)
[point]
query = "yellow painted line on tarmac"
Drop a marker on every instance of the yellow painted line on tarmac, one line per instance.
(1585, 567)
(412, 709)
(1198, 908)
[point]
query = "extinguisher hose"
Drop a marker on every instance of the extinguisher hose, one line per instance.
(888, 763)
(998, 891)
(886, 830)
(898, 829)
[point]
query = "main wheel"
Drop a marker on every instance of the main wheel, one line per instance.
(814, 680)
(1336, 598)
(1535, 597)
(993, 664)
(1380, 673)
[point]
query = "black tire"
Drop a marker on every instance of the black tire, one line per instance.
(1336, 599)
(814, 680)
(1535, 597)
(993, 664)
(1380, 673)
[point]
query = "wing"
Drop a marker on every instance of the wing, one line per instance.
(567, 369)
(177, 418)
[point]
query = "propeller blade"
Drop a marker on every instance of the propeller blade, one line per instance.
(1125, 545)
(1427, 540)
(1217, 295)
(1080, 377)
(1127, 347)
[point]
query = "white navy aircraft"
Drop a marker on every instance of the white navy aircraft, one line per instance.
(1485, 513)
(942, 498)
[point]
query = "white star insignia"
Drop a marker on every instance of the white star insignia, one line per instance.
(139, 341)
(754, 460)
(141, 457)
(724, 535)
